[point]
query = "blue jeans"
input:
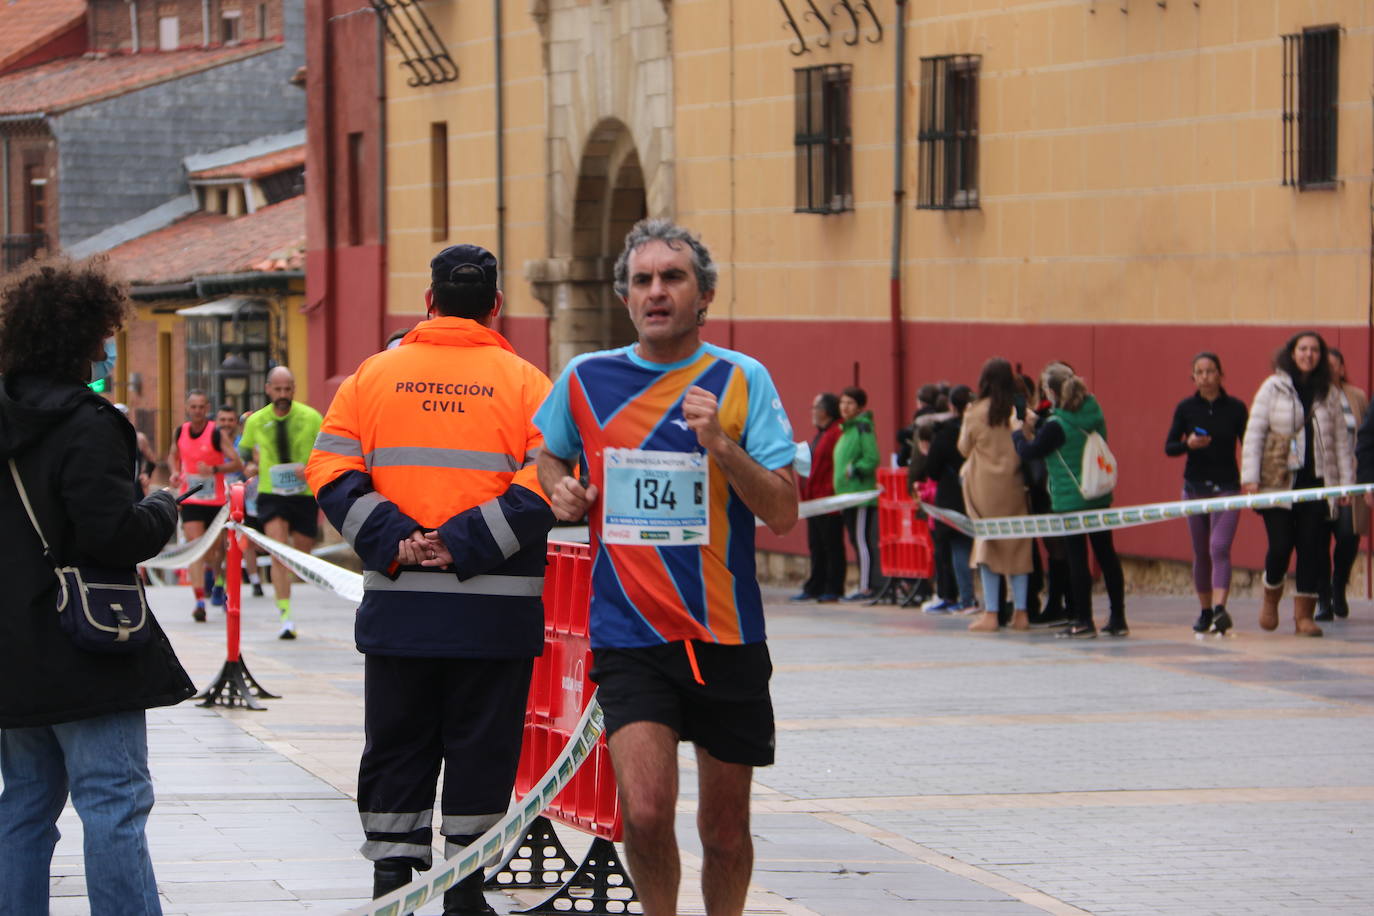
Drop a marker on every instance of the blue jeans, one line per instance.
(103, 762)
(961, 548)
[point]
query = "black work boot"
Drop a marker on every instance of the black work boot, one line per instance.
(466, 899)
(388, 875)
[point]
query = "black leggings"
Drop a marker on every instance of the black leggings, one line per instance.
(1303, 527)
(1347, 549)
(1081, 576)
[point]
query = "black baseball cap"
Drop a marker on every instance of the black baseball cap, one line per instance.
(464, 264)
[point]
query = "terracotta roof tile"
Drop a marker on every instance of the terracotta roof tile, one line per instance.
(202, 244)
(60, 85)
(257, 166)
(27, 24)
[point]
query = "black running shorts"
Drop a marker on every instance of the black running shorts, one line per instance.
(302, 513)
(191, 512)
(730, 716)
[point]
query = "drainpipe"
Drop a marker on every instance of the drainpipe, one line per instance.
(5, 178)
(500, 150)
(133, 24)
(381, 180)
(1369, 370)
(898, 199)
(205, 23)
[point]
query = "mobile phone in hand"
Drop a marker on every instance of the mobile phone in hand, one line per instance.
(189, 493)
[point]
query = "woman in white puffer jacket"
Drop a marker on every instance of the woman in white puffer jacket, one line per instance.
(1296, 439)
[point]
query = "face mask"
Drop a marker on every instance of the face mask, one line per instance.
(106, 366)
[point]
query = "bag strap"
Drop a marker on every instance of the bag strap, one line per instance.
(24, 497)
(1059, 453)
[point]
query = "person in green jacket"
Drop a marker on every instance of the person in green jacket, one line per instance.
(1059, 441)
(856, 470)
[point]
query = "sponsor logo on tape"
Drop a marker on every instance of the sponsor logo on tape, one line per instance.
(1018, 526)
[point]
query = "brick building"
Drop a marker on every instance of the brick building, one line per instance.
(93, 132)
(168, 133)
(217, 273)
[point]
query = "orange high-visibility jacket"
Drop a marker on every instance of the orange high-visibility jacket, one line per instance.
(437, 434)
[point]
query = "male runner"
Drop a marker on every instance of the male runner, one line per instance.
(200, 457)
(280, 437)
(682, 444)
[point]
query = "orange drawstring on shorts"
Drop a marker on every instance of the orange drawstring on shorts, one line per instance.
(692, 659)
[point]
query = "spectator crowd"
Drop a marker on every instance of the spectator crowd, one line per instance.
(1016, 445)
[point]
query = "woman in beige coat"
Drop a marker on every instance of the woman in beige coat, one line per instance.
(1296, 439)
(994, 488)
(1352, 522)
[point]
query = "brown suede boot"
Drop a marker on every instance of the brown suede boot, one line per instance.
(1020, 620)
(1304, 606)
(1269, 609)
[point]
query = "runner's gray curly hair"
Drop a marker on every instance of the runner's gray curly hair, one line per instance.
(672, 235)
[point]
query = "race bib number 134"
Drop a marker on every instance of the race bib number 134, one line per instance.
(655, 498)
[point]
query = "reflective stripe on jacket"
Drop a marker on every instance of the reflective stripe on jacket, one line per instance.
(437, 434)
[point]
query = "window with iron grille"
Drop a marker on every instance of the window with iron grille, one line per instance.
(1311, 67)
(948, 137)
(825, 180)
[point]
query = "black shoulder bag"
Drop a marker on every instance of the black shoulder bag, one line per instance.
(100, 610)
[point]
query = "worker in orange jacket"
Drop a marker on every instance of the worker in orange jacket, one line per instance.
(425, 464)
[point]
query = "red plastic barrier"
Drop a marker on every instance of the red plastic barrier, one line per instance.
(233, 575)
(559, 689)
(904, 546)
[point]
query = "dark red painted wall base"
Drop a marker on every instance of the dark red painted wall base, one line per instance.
(529, 336)
(1138, 372)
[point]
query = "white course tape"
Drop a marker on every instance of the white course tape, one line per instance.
(826, 504)
(184, 555)
(510, 829)
(332, 578)
(1020, 526)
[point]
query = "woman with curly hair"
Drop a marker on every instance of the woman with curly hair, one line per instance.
(72, 720)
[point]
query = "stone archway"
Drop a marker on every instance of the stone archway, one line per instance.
(608, 201)
(610, 145)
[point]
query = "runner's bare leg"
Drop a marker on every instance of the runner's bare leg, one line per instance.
(645, 759)
(278, 529)
(723, 824)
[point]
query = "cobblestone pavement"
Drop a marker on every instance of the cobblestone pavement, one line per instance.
(922, 769)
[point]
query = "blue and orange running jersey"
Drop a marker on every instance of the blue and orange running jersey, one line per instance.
(646, 594)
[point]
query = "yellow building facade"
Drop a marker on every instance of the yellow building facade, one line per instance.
(1118, 183)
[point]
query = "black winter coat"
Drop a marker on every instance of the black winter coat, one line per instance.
(943, 463)
(77, 457)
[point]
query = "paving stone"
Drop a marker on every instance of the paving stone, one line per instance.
(920, 770)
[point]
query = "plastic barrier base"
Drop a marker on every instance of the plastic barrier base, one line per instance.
(903, 592)
(539, 860)
(599, 887)
(235, 686)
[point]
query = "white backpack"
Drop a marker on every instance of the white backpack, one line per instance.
(1097, 475)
